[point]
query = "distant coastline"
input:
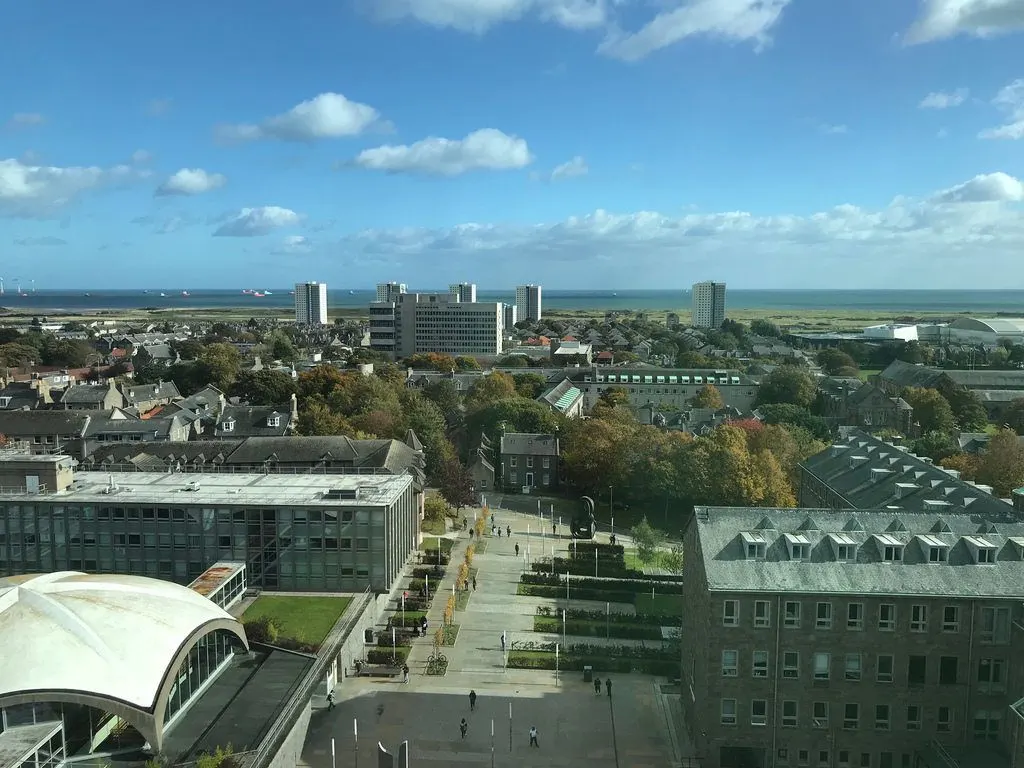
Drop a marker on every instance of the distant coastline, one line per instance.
(895, 302)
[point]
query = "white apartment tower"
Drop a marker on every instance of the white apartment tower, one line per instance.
(436, 322)
(388, 291)
(708, 304)
(462, 292)
(311, 303)
(528, 302)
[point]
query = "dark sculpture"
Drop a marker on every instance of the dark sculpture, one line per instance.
(583, 524)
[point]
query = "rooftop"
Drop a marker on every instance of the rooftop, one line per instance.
(513, 443)
(859, 552)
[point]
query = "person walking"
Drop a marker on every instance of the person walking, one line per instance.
(517, 550)
(597, 686)
(499, 532)
(405, 673)
(502, 642)
(463, 727)
(472, 700)
(474, 583)
(608, 687)
(554, 529)
(493, 530)
(508, 530)
(533, 737)
(330, 701)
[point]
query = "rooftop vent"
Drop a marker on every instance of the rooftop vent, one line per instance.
(856, 461)
(342, 493)
(877, 475)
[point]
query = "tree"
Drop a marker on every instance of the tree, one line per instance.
(931, 409)
(765, 328)
(964, 463)
(435, 508)
(457, 486)
(648, 540)
(967, 409)
(17, 355)
(513, 361)
(936, 445)
(265, 387)
(466, 363)
(223, 363)
(709, 396)
(320, 381)
(529, 385)
(431, 361)
(613, 397)
(787, 384)
(316, 419)
(67, 353)
(835, 362)
(445, 395)
(1001, 464)
(490, 389)
(1014, 416)
(786, 414)
(517, 415)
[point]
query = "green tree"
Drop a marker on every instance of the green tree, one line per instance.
(17, 355)
(787, 384)
(786, 414)
(613, 397)
(936, 445)
(466, 363)
(529, 385)
(280, 346)
(765, 328)
(490, 389)
(931, 409)
(424, 418)
(316, 419)
(222, 363)
(456, 486)
(709, 396)
(67, 353)
(1013, 417)
(265, 387)
(648, 541)
(835, 362)
(513, 361)
(431, 361)
(445, 395)
(1001, 465)
(435, 508)
(187, 349)
(517, 415)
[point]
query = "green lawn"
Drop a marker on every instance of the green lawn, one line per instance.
(659, 605)
(430, 544)
(864, 373)
(435, 527)
(302, 618)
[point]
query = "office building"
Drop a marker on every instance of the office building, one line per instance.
(528, 302)
(708, 304)
(878, 638)
(436, 322)
(294, 532)
(388, 292)
(311, 303)
(510, 315)
(462, 292)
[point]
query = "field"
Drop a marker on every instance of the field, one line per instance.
(306, 619)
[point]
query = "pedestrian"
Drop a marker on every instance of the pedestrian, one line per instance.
(493, 529)
(597, 686)
(608, 687)
(423, 624)
(502, 642)
(499, 533)
(508, 530)
(554, 529)
(463, 726)
(405, 673)
(474, 583)
(533, 737)
(330, 701)
(472, 700)
(517, 550)
(613, 539)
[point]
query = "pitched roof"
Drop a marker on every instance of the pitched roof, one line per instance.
(904, 374)
(252, 421)
(724, 532)
(529, 443)
(29, 423)
(82, 394)
(562, 396)
(162, 390)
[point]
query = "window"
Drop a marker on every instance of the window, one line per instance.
(801, 551)
(846, 552)
(948, 670)
(855, 616)
(730, 663)
(731, 613)
(937, 554)
(887, 617)
(513, 461)
(547, 462)
(513, 477)
(913, 717)
(823, 618)
(892, 554)
(882, 720)
(844, 758)
(917, 670)
(792, 619)
(883, 671)
(755, 551)
(865, 760)
(995, 626)
(762, 613)
(802, 757)
(991, 675)
(728, 711)
(951, 619)
(759, 667)
(529, 462)
(986, 556)
(853, 666)
(986, 725)
(851, 716)
(229, 425)
(758, 712)
(944, 722)
(791, 665)
(919, 618)
(820, 717)
(789, 714)
(885, 760)
(823, 758)
(822, 662)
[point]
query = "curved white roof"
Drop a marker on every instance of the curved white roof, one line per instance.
(1009, 325)
(104, 635)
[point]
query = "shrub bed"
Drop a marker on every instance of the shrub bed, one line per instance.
(595, 629)
(586, 549)
(599, 595)
(385, 655)
(411, 618)
(601, 616)
(634, 585)
(583, 567)
(433, 571)
(601, 664)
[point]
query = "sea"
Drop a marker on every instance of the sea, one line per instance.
(975, 302)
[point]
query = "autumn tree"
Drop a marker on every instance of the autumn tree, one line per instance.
(709, 396)
(491, 388)
(529, 385)
(430, 361)
(931, 409)
(613, 397)
(1001, 465)
(788, 384)
(222, 363)
(964, 463)
(321, 380)
(456, 486)
(265, 387)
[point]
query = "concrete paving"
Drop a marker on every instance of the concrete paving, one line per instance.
(636, 729)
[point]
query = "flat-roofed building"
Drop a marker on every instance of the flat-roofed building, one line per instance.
(858, 638)
(673, 387)
(417, 323)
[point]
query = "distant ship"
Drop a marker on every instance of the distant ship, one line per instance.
(267, 293)
(88, 295)
(351, 293)
(184, 294)
(163, 294)
(146, 292)
(258, 295)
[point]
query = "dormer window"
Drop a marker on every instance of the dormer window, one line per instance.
(845, 547)
(934, 548)
(799, 546)
(893, 554)
(274, 420)
(937, 554)
(229, 425)
(983, 550)
(755, 545)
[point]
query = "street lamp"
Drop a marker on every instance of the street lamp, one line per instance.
(611, 505)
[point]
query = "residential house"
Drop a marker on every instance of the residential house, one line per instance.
(25, 395)
(118, 426)
(46, 431)
(146, 397)
(237, 422)
(850, 402)
(571, 351)
(529, 461)
(481, 470)
(91, 397)
(564, 398)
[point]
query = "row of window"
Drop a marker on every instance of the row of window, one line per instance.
(995, 621)
(513, 478)
(844, 758)
(193, 515)
(985, 724)
(991, 673)
(513, 461)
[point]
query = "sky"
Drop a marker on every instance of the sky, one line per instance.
(579, 144)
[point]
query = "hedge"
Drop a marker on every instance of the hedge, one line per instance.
(616, 551)
(596, 629)
(583, 567)
(600, 664)
(598, 595)
(600, 616)
(634, 585)
(383, 655)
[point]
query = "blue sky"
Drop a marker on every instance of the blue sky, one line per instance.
(574, 143)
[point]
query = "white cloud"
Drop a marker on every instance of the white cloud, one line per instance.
(29, 190)
(159, 107)
(570, 170)
(327, 116)
(250, 222)
(25, 120)
(973, 226)
(477, 16)
(942, 19)
(486, 149)
(191, 181)
(165, 224)
(44, 241)
(293, 244)
(833, 130)
(141, 157)
(943, 99)
(1010, 101)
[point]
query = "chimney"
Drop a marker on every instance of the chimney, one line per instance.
(295, 411)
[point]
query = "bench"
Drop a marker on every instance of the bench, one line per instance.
(378, 670)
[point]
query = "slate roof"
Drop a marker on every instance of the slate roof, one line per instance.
(82, 394)
(29, 423)
(160, 427)
(528, 444)
(722, 532)
(21, 395)
(206, 401)
(869, 473)
(904, 374)
(251, 421)
(562, 396)
(163, 390)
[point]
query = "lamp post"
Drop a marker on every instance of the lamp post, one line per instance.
(611, 505)
(510, 726)
(332, 753)
(563, 626)
(355, 734)
(557, 680)
(492, 742)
